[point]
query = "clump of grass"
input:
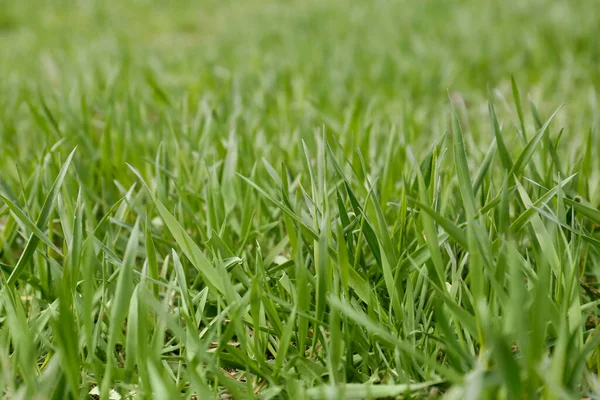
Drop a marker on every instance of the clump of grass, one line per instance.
(245, 224)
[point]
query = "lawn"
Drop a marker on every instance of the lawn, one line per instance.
(299, 200)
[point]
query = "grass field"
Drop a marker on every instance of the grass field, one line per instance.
(299, 199)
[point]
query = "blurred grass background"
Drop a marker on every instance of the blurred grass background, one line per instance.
(293, 65)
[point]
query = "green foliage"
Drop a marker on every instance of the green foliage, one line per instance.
(290, 200)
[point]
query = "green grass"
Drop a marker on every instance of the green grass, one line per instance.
(290, 200)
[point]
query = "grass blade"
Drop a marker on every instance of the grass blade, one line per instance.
(41, 222)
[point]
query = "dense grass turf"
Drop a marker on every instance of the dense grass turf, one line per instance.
(299, 199)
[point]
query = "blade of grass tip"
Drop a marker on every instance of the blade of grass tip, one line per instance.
(183, 239)
(41, 222)
(502, 150)
(530, 148)
(462, 169)
(517, 98)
